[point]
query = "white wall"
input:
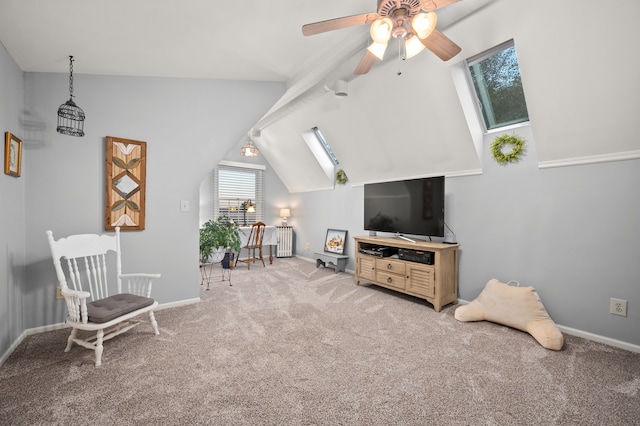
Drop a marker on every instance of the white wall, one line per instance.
(579, 70)
(187, 124)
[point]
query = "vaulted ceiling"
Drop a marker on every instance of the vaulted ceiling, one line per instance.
(248, 40)
(403, 119)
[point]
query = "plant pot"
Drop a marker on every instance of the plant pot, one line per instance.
(218, 254)
(227, 260)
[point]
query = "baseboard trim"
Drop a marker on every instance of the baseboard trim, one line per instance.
(589, 336)
(600, 339)
(26, 333)
(178, 303)
(58, 326)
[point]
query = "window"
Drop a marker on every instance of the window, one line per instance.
(496, 78)
(326, 146)
(321, 150)
(240, 193)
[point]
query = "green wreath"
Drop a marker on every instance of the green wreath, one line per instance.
(513, 156)
(341, 177)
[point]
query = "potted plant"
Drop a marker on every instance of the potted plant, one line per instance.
(216, 236)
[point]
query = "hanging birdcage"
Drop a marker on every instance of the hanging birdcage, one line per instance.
(70, 116)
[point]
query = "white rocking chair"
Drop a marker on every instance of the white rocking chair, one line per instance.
(108, 316)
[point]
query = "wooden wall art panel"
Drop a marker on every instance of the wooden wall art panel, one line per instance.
(126, 164)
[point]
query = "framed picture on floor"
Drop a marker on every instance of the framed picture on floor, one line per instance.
(335, 241)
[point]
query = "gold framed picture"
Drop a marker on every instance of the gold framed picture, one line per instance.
(12, 154)
(126, 165)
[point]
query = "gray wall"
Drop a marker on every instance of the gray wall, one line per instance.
(12, 208)
(570, 232)
(187, 124)
(276, 194)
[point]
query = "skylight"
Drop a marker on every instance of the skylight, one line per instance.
(326, 146)
(321, 151)
(496, 78)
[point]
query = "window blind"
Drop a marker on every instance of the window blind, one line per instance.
(237, 189)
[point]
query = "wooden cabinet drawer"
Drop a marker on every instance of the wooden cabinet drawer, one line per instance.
(392, 280)
(391, 266)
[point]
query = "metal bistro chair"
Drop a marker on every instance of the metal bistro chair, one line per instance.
(254, 242)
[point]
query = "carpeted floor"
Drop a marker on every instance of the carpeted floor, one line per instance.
(292, 344)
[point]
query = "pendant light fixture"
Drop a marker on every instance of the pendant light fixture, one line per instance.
(249, 150)
(70, 116)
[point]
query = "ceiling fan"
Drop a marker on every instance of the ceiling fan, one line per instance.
(412, 22)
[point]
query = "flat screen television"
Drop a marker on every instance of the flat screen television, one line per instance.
(414, 206)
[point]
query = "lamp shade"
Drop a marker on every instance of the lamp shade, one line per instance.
(380, 30)
(284, 214)
(413, 46)
(424, 23)
(378, 49)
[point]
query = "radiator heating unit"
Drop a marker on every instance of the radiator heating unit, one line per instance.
(285, 241)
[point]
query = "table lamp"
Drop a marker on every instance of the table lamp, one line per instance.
(284, 214)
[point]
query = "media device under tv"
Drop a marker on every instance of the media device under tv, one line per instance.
(413, 207)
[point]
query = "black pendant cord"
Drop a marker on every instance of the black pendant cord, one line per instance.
(70, 77)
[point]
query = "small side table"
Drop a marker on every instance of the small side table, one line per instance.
(336, 261)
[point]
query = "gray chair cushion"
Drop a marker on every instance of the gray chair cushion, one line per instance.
(104, 310)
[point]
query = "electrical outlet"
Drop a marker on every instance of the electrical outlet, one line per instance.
(307, 247)
(618, 307)
(59, 293)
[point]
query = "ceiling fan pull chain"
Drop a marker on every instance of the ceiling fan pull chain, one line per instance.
(402, 49)
(402, 55)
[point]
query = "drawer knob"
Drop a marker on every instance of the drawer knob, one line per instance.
(389, 280)
(389, 266)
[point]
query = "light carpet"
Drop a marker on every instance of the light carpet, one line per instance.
(292, 344)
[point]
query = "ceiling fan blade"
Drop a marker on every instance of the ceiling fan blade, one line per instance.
(431, 5)
(338, 23)
(441, 45)
(366, 63)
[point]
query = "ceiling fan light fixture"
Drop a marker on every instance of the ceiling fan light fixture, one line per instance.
(413, 46)
(377, 49)
(424, 23)
(380, 30)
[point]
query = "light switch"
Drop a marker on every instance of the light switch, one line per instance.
(184, 206)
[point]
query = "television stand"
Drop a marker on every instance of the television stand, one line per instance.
(437, 283)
